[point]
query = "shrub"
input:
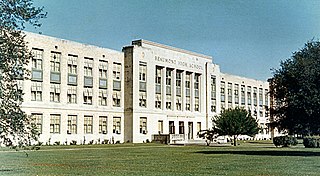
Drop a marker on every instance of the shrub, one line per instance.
(311, 142)
(73, 142)
(284, 141)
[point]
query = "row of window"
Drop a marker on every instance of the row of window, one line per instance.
(72, 124)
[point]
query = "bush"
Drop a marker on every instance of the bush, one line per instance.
(311, 142)
(284, 141)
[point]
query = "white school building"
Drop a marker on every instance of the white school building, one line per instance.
(81, 93)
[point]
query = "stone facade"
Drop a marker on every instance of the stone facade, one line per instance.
(87, 94)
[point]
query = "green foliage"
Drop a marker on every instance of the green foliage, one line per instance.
(209, 135)
(234, 122)
(311, 142)
(296, 91)
(284, 141)
(16, 129)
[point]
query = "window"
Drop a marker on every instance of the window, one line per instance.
(116, 97)
(179, 104)
(255, 100)
(229, 93)
(55, 123)
(213, 87)
(171, 127)
(55, 67)
(236, 93)
(143, 99)
(142, 77)
(37, 60)
(36, 91)
(158, 88)
(87, 125)
(222, 92)
(266, 98)
(55, 92)
(158, 101)
(178, 83)
(116, 76)
(196, 91)
(103, 124)
(213, 106)
(103, 74)
(72, 69)
(249, 95)
(88, 67)
(72, 94)
(260, 97)
(160, 126)
(181, 127)
(188, 103)
(103, 94)
(168, 102)
(72, 124)
(116, 125)
(198, 126)
(87, 96)
(143, 125)
(188, 84)
(37, 121)
(243, 98)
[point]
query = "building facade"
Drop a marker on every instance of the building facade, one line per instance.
(83, 94)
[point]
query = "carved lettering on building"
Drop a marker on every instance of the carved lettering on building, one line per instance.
(179, 63)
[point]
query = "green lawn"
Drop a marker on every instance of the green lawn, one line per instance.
(154, 159)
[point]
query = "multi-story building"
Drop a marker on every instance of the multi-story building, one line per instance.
(86, 94)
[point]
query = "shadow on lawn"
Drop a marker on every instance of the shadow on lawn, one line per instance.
(263, 152)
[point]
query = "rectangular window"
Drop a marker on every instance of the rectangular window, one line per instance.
(103, 125)
(179, 103)
(87, 125)
(37, 61)
(116, 125)
(55, 67)
(55, 93)
(171, 127)
(196, 92)
(87, 96)
(188, 103)
(213, 106)
(116, 76)
(223, 92)
(198, 126)
(72, 124)
(178, 83)
(181, 127)
(249, 95)
(169, 102)
(55, 123)
(160, 126)
(236, 94)
(103, 74)
(196, 104)
(188, 84)
(36, 91)
(103, 94)
(168, 88)
(158, 101)
(142, 77)
(229, 93)
(243, 98)
(143, 125)
(255, 100)
(158, 79)
(213, 88)
(37, 121)
(266, 98)
(116, 99)
(260, 97)
(88, 70)
(72, 94)
(143, 99)
(72, 69)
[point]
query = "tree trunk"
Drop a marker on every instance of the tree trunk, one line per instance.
(234, 140)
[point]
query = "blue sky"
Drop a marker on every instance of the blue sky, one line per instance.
(245, 37)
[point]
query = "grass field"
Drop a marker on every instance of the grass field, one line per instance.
(155, 159)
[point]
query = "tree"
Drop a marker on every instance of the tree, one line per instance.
(208, 135)
(295, 88)
(16, 128)
(234, 122)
